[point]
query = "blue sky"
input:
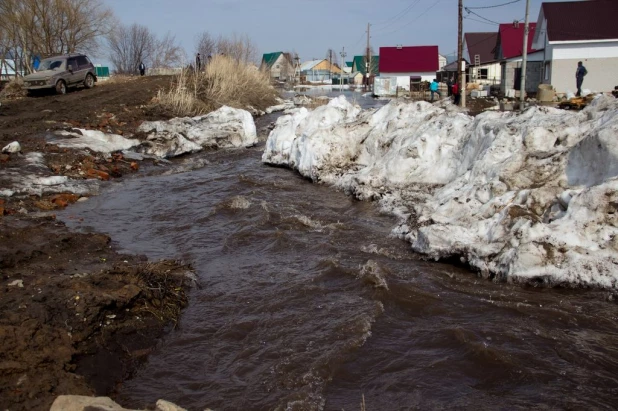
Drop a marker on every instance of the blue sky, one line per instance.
(311, 27)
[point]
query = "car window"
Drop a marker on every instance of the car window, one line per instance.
(51, 64)
(82, 60)
(73, 63)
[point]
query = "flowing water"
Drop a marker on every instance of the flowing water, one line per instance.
(306, 302)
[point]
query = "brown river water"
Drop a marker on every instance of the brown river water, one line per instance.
(306, 302)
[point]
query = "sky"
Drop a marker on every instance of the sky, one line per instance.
(311, 27)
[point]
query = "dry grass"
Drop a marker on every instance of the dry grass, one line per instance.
(223, 82)
(13, 89)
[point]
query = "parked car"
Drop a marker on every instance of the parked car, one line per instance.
(62, 72)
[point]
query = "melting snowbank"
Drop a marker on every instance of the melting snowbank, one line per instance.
(226, 127)
(519, 197)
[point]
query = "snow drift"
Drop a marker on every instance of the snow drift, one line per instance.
(226, 127)
(521, 197)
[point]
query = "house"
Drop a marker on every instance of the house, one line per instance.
(347, 68)
(408, 63)
(584, 31)
(356, 78)
(319, 70)
(279, 65)
(509, 51)
(359, 64)
(7, 69)
(479, 50)
(441, 62)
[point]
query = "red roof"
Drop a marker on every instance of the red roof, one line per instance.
(410, 59)
(511, 39)
(581, 20)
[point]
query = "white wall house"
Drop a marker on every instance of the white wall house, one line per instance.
(479, 50)
(403, 63)
(583, 31)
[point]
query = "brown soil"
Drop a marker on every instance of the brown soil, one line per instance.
(76, 317)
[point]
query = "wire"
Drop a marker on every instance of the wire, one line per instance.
(481, 21)
(400, 15)
(417, 17)
(478, 15)
(497, 5)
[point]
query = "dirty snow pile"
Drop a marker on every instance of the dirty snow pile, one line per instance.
(34, 179)
(95, 140)
(521, 197)
(226, 127)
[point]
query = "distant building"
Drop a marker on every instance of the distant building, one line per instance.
(317, 71)
(279, 65)
(410, 63)
(441, 62)
(584, 31)
(479, 50)
(359, 64)
(509, 51)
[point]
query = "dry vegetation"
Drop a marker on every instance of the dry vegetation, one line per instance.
(224, 82)
(13, 89)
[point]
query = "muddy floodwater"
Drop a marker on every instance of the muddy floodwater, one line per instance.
(306, 302)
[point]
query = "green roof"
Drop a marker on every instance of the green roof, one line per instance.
(348, 64)
(359, 64)
(270, 58)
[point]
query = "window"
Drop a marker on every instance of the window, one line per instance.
(82, 61)
(483, 73)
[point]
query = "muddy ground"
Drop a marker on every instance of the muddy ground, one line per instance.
(76, 317)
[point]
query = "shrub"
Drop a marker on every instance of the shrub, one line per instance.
(224, 82)
(13, 89)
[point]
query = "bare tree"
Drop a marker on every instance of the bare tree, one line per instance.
(237, 47)
(167, 53)
(46, 27)
(129, 46)
(206, 45)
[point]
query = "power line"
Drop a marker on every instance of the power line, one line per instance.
(481, 21)
(417, 17)
(478, 15)
(400, 15)
(492, 7)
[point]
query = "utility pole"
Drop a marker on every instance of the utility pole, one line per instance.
(524, 61)
(368, 62)
(330, 63)
(461, 71)
(343, 54)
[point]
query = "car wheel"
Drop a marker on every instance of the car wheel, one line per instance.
(61, 87)
(89, 81)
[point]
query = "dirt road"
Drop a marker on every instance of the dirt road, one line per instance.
(75, 316)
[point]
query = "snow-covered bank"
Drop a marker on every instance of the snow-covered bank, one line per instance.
(226, 127)
(519, 197)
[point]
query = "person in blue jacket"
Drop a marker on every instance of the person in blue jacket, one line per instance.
(433, 87)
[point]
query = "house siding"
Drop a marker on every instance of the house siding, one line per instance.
(494, 74)
(563, 74)
(403, 79)
(534, 70)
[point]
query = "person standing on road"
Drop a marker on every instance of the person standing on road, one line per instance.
(579, 77)
(142, 69)
(198, 62)
(449, 87)
(456, 93)
(433, 87)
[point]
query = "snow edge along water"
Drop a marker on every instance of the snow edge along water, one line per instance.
(525, 197)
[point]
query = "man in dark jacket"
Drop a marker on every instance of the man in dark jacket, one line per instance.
(198, 62)
(579, 77)
(142, 69)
